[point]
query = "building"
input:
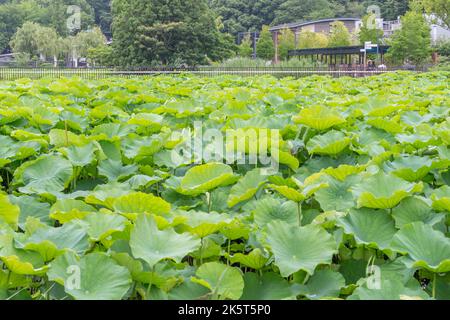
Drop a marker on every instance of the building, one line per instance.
(438, 33)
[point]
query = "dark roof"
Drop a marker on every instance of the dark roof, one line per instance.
(336, 50)
(302, 24)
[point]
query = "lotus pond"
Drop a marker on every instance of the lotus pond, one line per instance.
(98, 200)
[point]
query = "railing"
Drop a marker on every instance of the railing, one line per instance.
(102, 73)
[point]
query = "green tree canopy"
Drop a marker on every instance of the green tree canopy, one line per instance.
(265, 48)
(309, 40)
(412, 42)
(369, 31)
(286, 42)
(439, 8)
(166, 32)
(245, 48)
(339, 35)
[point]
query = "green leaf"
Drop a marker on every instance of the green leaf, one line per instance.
(424, 247)
(152, 245)
(138, 202)
(9, 212)
(415, 209)
(254, 260)
(323, 284)
(299, 248)
(103, 225)
(271, 209)
(223, 281)
(48, 174)
(268, 286)
(92, 277)
(392, 289)
(246, 187)
(330, 143)
(203, 178)
(383, 191)
(369, 227)
(441, 199)
(319, 118)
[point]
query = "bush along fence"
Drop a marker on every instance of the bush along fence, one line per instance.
(209, 71)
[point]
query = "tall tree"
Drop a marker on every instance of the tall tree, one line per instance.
(369, 30)
(265, 48)
(412, 42)
(339, 35)
(163, 31)
(439, 8)
(245, 48)
(309, 40)
(286, 42)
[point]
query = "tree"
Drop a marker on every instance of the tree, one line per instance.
(243, 15)
(439, 8)
(286, 42)
(412, 42)
(369, 30)
(25, 40)
(163, 32)
(245, 48)
(339, 35)
(78, 46)
(302, 10)
(101, 56)
(309, 40)
(265, 48)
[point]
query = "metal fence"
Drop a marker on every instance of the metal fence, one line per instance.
(102, 73)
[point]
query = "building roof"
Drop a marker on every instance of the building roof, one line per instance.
(302, 24)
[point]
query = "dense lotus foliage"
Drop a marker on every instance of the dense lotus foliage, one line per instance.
(94, 204)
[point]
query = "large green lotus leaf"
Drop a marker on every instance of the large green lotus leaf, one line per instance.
(246, 187)
(271, 209)
(48, 174)
(441, 198)
(51, 242)
(152, 245)
(319, 118)
(409, 168)
(424, 247)
(384, 191)
(31, 207)
(286, 158)
(69, 209)
(115, 171)
(343, 171)
(106, 194)
(391, 289)
(112, 131)
(236, 229)
(92, 277)
(338, 195)
(414, 209)
(330, 143)
(391, 126)
(203, 224)
(103, 225)
(80, 156)
(9, 212)
(20, 261)
(61, 138)
(323, 284)
(369, 227)
(442, 287)
(223, 281)
(299, 248)
(138, 202)
(268, 286)
(418, 140)
(288, 192)
(204, 178)
(140, 148)
(254, 260)
(189, 290)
